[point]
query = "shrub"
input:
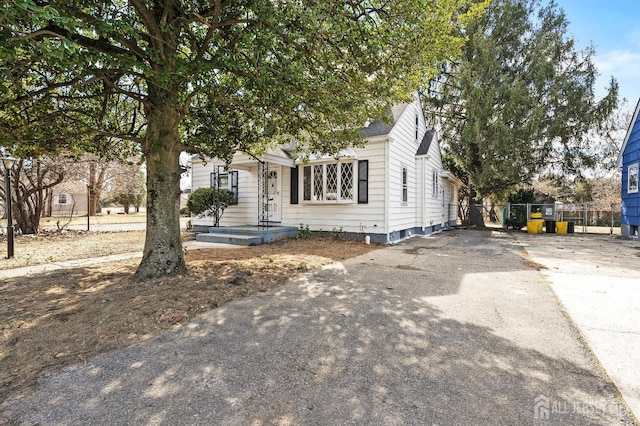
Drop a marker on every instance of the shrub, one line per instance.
(304, 231)
(338, 234)
(210, 202)
(518, 214)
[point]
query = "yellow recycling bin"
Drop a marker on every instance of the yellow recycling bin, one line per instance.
(532, 226)
(561, 227)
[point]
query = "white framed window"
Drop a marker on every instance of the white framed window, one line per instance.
(62, 199)
(405, 186)
(328, 183)
(226, 180)
(434, 183)
(632, 178)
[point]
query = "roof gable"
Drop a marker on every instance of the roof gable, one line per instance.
(630, 130)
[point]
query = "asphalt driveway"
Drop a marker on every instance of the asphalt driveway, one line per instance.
(597, 280)
(458, 328)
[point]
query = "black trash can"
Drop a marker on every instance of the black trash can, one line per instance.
(570, 227)
(550, 226)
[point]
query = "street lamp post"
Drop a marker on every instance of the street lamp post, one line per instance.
(8, 164)
(88, 208)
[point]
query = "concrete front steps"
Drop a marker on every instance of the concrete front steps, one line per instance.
(247, 235)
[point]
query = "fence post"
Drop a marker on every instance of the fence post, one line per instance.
(528, 211)
(611, 232)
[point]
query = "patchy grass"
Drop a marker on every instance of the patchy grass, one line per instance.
(63, 317)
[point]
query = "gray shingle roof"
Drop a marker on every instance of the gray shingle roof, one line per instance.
(423, 149)
(380, 128)
(377, 128)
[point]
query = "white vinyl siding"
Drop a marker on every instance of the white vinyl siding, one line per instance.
(450, 203)
(434, 210)
(350, 216)
(246, 211)
(402, 155)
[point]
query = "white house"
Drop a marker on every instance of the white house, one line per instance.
(390, 189)
(69, 199)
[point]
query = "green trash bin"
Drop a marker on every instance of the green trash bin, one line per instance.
(570, 228)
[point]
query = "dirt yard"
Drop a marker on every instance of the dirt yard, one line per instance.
(55, 319)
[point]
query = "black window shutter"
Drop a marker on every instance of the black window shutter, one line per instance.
(363, 181)
(294, 185)
(234, 186)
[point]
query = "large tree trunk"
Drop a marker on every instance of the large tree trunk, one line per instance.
(163, 253)
(96, 182)
(475, 208)
(97, 192)
(49, 203)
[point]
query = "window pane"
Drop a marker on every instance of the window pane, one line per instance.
(363, 181)
(346, 181)
(434, 183)
(318, 186)
(224, 181)
(404, 185)
(272, 183)
(306, 183)
(633, 178)
(332, 181)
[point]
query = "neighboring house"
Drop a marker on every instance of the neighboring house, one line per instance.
(69, 198)
(390, 189)
(184, 197)
(629, 161)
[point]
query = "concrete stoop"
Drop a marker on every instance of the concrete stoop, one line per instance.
(247, 235)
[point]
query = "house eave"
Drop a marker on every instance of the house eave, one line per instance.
(280, 161)
(628, 135)
(378, 139)
(445, 174)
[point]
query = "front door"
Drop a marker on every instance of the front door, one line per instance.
(274, 213)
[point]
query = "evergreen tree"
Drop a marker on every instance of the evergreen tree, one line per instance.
(519, 99)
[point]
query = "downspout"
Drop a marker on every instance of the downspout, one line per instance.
(387, 189)
(422, 194)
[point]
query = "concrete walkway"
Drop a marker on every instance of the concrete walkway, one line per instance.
(66, 264)
(452, 329)
(597, 280)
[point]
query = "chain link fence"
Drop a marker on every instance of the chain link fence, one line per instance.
(585, 217)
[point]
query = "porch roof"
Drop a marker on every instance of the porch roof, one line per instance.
(275, 155)
(347, 153)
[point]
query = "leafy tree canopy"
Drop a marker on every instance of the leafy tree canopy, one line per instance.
(210, 77)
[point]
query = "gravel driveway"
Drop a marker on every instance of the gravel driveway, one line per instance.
(452, 329)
